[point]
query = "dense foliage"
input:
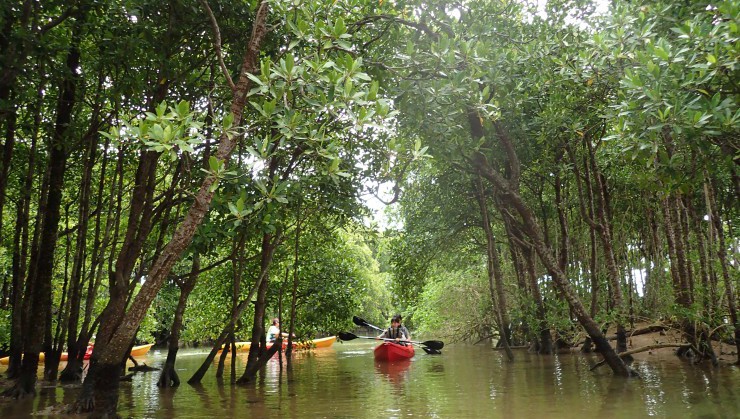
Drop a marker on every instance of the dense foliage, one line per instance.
(186, 170)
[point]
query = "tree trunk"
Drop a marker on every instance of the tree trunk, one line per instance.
(604, 228)
(53, 346)
(521, 276)
(686, 244)
(258, 330)
(169, 377)
(228, 330)
(495, 277)
(40, 300)
(20, 253)
(73, 370)
(532, 230)
(294, 290)
(15, 39)
(695, 221)
(7, 156)
(120, 333)
(70, 373)
(722, 256)
(675, 253)
(544, 337)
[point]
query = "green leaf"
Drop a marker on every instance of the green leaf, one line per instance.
(156, 132)
(228, 121)
(339, 27)
(255, 79)
(214, 164)
(183, 108)
(161, 109)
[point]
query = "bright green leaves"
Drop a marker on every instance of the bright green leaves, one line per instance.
(170, 130)
(313, 113)
(677, 86)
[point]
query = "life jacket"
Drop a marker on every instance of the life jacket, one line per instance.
(397, 333)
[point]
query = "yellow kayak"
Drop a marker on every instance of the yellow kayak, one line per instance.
(140, 350)
(315, 343)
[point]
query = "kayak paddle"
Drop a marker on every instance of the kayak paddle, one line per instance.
(432, 349)
(433, 345)
(360, 322)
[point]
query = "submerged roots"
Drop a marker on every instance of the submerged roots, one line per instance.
(18, 391)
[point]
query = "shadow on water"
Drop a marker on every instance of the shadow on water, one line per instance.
(464, 382)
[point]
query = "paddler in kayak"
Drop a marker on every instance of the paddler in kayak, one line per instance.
(397, 331)
(274, 330)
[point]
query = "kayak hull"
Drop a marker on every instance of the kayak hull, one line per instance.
(140, 350)
(391, 352)
(65, 356)
(315, 343)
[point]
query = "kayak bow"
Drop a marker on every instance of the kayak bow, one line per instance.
(389, 351)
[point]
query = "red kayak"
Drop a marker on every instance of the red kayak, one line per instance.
(88, 354)
(389, 351)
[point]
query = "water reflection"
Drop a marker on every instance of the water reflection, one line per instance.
(395, 372)
(464, 382)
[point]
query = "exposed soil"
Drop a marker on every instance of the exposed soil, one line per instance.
(725, 352)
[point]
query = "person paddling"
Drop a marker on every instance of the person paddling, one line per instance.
(274, 330)
(397, 331)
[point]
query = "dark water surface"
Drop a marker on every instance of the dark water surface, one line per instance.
(465, 382)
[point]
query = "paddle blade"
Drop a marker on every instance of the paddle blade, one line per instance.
(431, 351)
(360, 322)
(346, 336)
(434, 344)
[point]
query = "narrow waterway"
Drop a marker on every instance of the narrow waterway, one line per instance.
(464, 382)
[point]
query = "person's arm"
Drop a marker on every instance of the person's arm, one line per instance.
(406, 334)
(382, 335)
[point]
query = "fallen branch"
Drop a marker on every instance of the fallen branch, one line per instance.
(143, 368)
(645, 330)
(648, 348)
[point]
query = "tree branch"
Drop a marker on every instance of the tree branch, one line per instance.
(217, 43)
(648, 348)
(56, 22)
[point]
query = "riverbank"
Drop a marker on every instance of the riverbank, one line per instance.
(658, 337)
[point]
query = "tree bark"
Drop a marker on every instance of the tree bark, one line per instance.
(532, 230)
(107, 355)
(258, 330)
(169, 377)
(544, 338)
(226, 332)
(495, 277)
(20, 253)
(14, 43)
(70, 372)
(7, 156)
(294, 290)
(722, 256)
(706, 292)
(40, 300)
(597, 193)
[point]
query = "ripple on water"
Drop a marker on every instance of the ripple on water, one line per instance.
(463, 382)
